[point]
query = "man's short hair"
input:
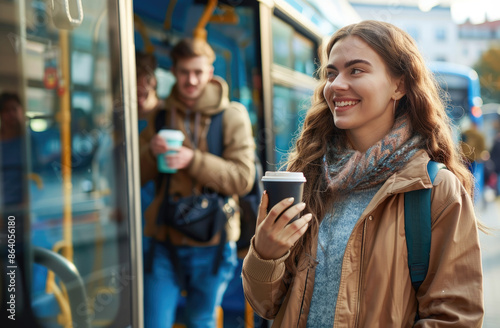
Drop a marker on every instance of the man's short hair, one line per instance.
(189, 48)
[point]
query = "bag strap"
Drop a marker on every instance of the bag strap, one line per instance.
(160, 120)
(215, 137)
(215, 143)
(418, 227)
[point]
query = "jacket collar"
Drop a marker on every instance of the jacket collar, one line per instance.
(214, 98)
(413, 176)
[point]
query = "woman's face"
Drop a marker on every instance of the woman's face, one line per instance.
(360, 91)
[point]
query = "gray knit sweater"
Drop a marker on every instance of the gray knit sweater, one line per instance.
(334, 232)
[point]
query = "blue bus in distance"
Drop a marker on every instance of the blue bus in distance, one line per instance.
(462, 92)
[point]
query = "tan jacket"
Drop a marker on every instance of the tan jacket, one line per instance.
(231, 174)
(375, 286)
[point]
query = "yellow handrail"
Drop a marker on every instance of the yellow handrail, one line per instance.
(66, 244)
(64, 319)
(167, 24)
(200, 32)
(228, 16)
(37, 179)
(141, 28)
(50, 284)
(65, 108)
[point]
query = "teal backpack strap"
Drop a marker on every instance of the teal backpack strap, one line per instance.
(418, 228)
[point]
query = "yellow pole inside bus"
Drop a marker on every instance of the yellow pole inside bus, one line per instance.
(65, 116)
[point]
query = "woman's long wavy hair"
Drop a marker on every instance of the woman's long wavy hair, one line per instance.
(422, 102)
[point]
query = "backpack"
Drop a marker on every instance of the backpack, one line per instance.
(249, 203)
(418, 228)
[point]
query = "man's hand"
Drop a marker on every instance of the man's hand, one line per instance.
(177, 158)
(157, 145)
(180, 159)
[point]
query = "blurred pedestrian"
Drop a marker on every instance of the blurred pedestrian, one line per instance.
(495, 158)
(175, 260)
(473, 145)
(375, 122)
(13, 209)
(147, 103)
(12, 145)
(147, 98)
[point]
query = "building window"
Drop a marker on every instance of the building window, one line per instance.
(440, 34)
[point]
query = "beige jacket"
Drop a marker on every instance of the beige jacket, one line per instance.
(375, 287)
(231, 174)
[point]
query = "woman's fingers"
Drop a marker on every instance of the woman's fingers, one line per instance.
(290, 213)
(264, 201)
(276, 210)
(272, 244)
(274, 235)
(297, 228)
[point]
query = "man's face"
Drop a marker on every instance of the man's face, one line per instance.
(193, 75)
(12, 115)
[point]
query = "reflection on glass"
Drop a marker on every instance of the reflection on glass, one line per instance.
(303, 54)
(71, 156)
(291, 49)
(289, 109)
(282, 42)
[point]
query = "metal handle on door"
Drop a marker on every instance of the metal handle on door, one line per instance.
(62, 13)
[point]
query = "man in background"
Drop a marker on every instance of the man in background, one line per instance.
(196, 98)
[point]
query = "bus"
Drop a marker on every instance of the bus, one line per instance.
(462, 94)
(71, 233)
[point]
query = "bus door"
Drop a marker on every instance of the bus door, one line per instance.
(68, 175)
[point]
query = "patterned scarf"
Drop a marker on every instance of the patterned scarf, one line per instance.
(347, 169)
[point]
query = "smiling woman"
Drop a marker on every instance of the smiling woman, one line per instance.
(375, 121)
(361, 93)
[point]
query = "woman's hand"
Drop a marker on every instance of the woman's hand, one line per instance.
(273, 238)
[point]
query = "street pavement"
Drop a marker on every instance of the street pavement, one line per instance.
(489, 214)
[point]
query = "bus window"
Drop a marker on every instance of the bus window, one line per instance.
(65, 184)
(461, 94)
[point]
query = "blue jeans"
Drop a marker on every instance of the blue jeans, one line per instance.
(204, 289)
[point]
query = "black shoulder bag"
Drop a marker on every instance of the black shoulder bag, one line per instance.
(199, 216)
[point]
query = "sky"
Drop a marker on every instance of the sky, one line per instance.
(474, 10)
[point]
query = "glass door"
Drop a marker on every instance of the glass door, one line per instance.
(68, 174)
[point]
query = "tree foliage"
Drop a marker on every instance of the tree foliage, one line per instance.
(488, 68)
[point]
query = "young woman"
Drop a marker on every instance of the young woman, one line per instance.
(376, 120)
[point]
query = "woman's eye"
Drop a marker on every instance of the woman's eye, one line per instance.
(331, 75)
(356, 71)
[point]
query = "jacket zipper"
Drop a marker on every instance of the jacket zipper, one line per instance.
(303, 297)
(360, 272)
